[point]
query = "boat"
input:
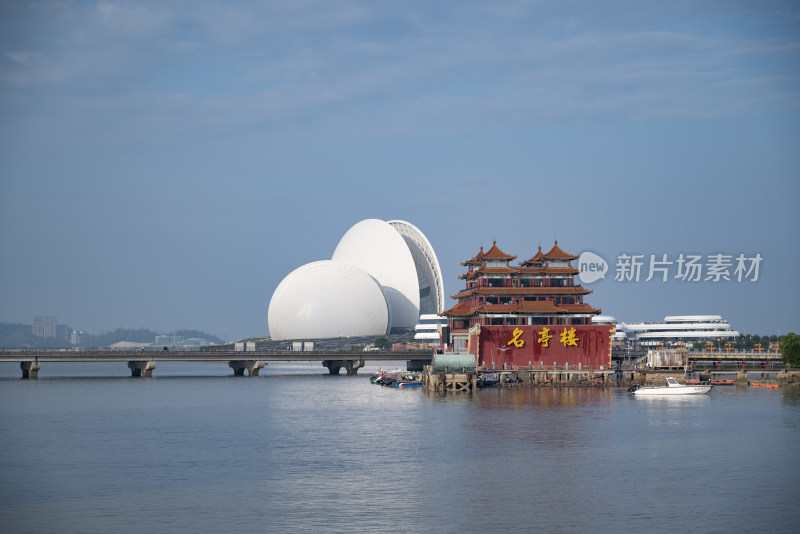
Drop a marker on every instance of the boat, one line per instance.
(413, 381)
(673, 387)
(397, 379)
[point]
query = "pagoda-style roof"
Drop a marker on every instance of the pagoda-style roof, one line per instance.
(462, 308)
(580, 308)
(475, 273)
(476, 260)
(558, 254)
(525, 307)
(489, 270)
(536, 259)
(572, 290)
(495, 253)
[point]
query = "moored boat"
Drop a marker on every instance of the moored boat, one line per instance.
(397, 379)
(673, 387)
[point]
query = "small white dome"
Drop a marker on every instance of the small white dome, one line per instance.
(328, 299)
(378, 248)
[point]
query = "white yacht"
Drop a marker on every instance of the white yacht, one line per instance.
(673, 387)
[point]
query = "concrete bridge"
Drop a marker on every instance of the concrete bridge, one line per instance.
(142, 363)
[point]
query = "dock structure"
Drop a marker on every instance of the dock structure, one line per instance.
(444, 382)
(536, 377)
(142, 363)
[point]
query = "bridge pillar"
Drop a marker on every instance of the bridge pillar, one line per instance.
(334, 366)
(30, 369)
(252, 367)
(741, 376)
(142, 368)
(351, 366)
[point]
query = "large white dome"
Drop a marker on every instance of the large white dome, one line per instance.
(378, 248)
(328, 299)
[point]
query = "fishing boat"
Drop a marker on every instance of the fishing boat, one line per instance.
(397, 379)
(408, 381)
(673, 387)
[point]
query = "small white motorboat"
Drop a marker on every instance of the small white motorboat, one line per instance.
(673, 387)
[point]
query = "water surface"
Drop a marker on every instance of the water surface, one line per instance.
(86, 448)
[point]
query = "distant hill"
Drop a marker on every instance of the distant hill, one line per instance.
(14, 335)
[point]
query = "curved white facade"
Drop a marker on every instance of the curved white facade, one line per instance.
(379, 277)
(429, 274)
(379, 249)
(327, 299)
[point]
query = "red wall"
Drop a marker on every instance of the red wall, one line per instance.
(593, 347)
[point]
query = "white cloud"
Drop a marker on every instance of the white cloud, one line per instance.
(280, 62)
(22, 57)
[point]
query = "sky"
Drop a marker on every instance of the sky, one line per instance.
(166, 164)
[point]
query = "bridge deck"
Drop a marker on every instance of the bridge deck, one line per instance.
(206, 356)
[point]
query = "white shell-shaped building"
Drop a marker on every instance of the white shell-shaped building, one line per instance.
(327, 299)
(429, 274)
(381, 276)
(376, 247)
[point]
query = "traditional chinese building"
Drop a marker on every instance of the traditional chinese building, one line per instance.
(529, 314)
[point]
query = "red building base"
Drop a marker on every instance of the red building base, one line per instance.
(500, 347)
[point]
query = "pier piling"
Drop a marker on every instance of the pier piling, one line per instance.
(251, 366)
(142, 368)
(30, 369)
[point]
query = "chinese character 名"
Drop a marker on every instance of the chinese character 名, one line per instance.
(568, 337)
(544, 337)
(663, 269)
(693, 270)
(516, 341)
(718, 266)
(629, 267)
(740, 269)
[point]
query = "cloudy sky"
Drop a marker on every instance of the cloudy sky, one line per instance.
(166, 164)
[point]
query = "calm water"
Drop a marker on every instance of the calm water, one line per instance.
(86, 448)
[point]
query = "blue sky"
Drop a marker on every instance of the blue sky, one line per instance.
(166, 164)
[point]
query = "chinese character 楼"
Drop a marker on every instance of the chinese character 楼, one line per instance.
(568, 337)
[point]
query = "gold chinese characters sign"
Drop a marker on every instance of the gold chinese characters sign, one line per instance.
(567, 337)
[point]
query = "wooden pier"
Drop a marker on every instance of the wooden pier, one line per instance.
(459, 382)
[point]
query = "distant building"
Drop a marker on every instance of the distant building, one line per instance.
(63, 332)
(77, 338)
(381, 277)
(44, 326)
(168, 340)
(677, 328)
(429, 329)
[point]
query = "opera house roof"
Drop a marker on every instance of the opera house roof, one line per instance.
(380, 278)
